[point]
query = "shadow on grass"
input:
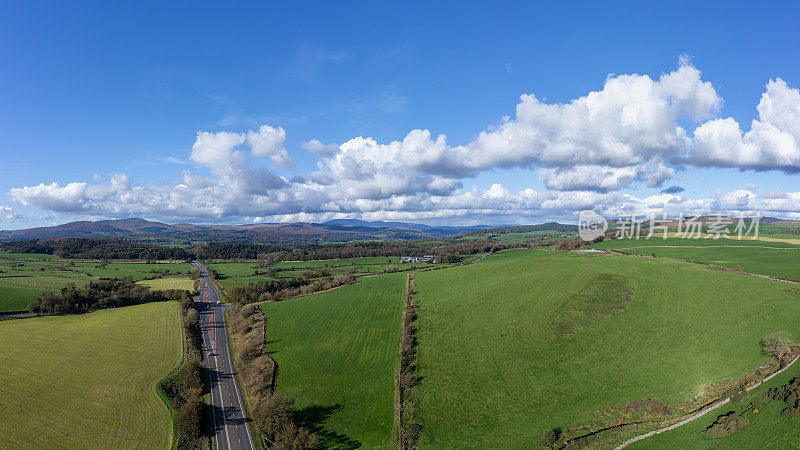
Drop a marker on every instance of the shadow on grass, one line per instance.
(267, 345)
(313, 417)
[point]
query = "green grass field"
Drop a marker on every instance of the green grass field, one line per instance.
(765, 258)
(15, 298)
(234, 269)
(519, 237)
(337, 262)
(88, 381)
(337, 352)
(530, 340)
(241, 273)
(30, 256)
(675, 241)
(23, 276)
(767, 429)
(169, 283)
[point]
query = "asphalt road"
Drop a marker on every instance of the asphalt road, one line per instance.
(231, 429)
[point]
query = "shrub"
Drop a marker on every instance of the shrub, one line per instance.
(777, 344)
(186, 303)
(738, 396)
(792, 411)
(273, 413)
(448, 258)
(570, 244)
(296, 438)
(192, 318)
(250, 350)
(192, 378)
(249, 310)
(551, 436)
(190, 417)
(726, 425)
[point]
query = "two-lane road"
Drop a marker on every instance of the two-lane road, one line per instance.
(231, 429)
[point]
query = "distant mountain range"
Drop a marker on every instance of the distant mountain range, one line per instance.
(340, 230)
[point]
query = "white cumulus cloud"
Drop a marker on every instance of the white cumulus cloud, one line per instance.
(268, 141)
(773, 141)
(317, 147)
(628, 133)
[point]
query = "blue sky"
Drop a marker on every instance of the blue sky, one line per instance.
(92, 91)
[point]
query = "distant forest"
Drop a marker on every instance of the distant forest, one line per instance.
(550, 226)
(307, 252)
(104, 248)
(111, 248)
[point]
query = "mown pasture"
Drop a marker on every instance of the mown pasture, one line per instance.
(337, 352)
(531, 340)
(15, 298)
(88, 381)
(765, 258)
(169, 283)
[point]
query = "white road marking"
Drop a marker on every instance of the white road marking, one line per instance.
(216, 368)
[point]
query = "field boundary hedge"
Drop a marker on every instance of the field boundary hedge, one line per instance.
(181, 389)
(405, 407)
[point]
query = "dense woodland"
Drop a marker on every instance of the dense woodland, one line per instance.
(308, 252)
(110, 248)
(104, 248)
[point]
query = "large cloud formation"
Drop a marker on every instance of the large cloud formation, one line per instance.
(629, 133)
(773, 141)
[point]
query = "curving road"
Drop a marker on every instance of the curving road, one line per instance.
(231, 429)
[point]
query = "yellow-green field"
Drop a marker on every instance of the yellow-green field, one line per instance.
(787, 240)
(88, 380)
(161, 284)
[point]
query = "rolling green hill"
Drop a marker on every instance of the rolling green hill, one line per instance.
(526, 341)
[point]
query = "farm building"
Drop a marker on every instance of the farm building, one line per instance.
(418, 259)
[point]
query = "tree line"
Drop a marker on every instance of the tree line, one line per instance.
(99, 295)
(284, 288)
(185, 387)
(100, 248)
(308, 252)
(113, 248)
